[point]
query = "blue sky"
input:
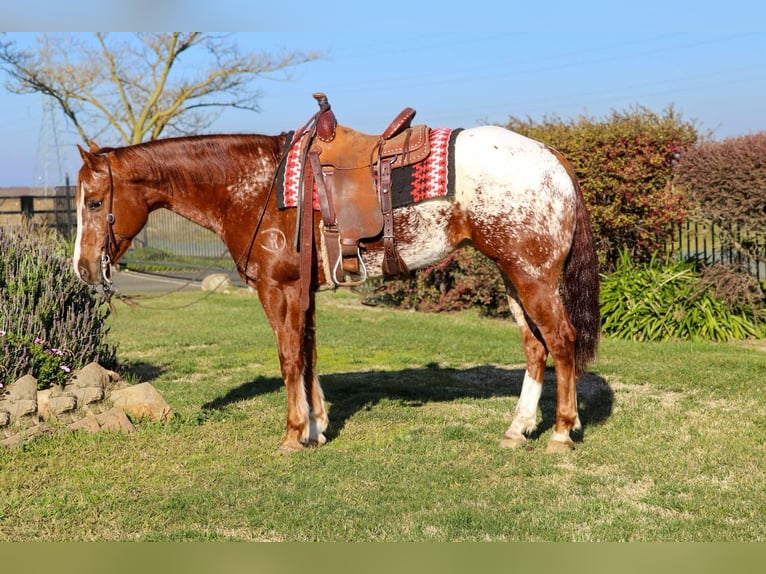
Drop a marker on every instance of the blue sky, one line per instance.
(459, 70)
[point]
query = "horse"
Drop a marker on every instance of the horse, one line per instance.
(516, 200)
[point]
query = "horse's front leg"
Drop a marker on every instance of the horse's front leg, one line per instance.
(294, 331)
(318, 419)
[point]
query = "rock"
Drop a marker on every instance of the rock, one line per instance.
(20, 402)
(112, 420)
(142, 401)
(115, 420)
(26, 435)
(93, 400)
(89, 383)
(89, 424)
(55, 404)
(43, 398)
(63, 403)
(219, 282)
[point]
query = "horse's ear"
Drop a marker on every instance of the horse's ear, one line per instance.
(87, 157)
(94, 147)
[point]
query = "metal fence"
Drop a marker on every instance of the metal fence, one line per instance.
(713, 243)
(168, 241)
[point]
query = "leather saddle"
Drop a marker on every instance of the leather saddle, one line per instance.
(352, 174)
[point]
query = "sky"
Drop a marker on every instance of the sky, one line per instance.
(481, 63)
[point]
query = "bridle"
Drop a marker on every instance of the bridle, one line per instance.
(110, 240)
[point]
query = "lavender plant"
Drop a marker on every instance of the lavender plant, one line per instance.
(50, 322)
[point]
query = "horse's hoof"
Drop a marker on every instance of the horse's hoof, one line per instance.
(316, 441)
(515, 441)
(555, 445)
(290, 447)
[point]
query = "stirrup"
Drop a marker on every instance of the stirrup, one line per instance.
(349, 283)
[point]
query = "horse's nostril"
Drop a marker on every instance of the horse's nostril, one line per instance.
(84, 275)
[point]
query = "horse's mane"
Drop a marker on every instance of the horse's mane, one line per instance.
(215, 159)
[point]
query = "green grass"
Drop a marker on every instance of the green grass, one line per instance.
(673, 445)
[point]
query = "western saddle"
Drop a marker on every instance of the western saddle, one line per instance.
(352, 175)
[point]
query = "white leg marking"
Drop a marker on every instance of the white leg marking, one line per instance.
(304, 411)
(318, 424)
(561, 437)
(525, 417)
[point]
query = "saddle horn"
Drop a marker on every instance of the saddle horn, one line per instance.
(326, 122)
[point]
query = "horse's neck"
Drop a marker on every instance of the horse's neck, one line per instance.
(186, 193)
(201, 184)
(194, 202)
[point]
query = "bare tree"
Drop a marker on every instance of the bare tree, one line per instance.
(143, 85)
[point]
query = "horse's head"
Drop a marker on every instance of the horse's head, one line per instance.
(108, 215)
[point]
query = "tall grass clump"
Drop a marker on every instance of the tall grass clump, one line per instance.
(671, 300)
(50, 322)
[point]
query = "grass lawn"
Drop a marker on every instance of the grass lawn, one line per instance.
(672, 450)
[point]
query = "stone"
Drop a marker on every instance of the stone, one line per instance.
(115, 420)
(20, 401)
(43, 398)
(142, 401)
(89, 383)
(218, 282)
(89, 424)
(55, 404)
(26, 435)
(95, 399)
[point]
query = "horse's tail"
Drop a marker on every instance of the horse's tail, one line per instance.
(580, 287)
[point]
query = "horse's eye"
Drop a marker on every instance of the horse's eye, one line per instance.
(94, 204)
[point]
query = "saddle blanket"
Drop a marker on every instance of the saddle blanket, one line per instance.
(431, 178)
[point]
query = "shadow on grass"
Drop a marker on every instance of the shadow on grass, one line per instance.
(350, 393)
(139, 371)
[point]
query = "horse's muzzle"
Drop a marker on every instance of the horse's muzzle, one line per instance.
(86, 273)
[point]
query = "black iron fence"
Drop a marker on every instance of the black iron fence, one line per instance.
(717, 244)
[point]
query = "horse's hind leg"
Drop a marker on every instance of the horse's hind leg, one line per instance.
(543, 305)
(525, 415)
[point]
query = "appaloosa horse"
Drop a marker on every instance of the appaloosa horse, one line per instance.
(516, 200)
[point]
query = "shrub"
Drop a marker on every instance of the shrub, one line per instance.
(50, 322)
(464, 279)
(727, 181)
(624, 163)
(670, 300)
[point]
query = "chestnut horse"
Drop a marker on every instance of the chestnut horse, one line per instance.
(516, 200)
